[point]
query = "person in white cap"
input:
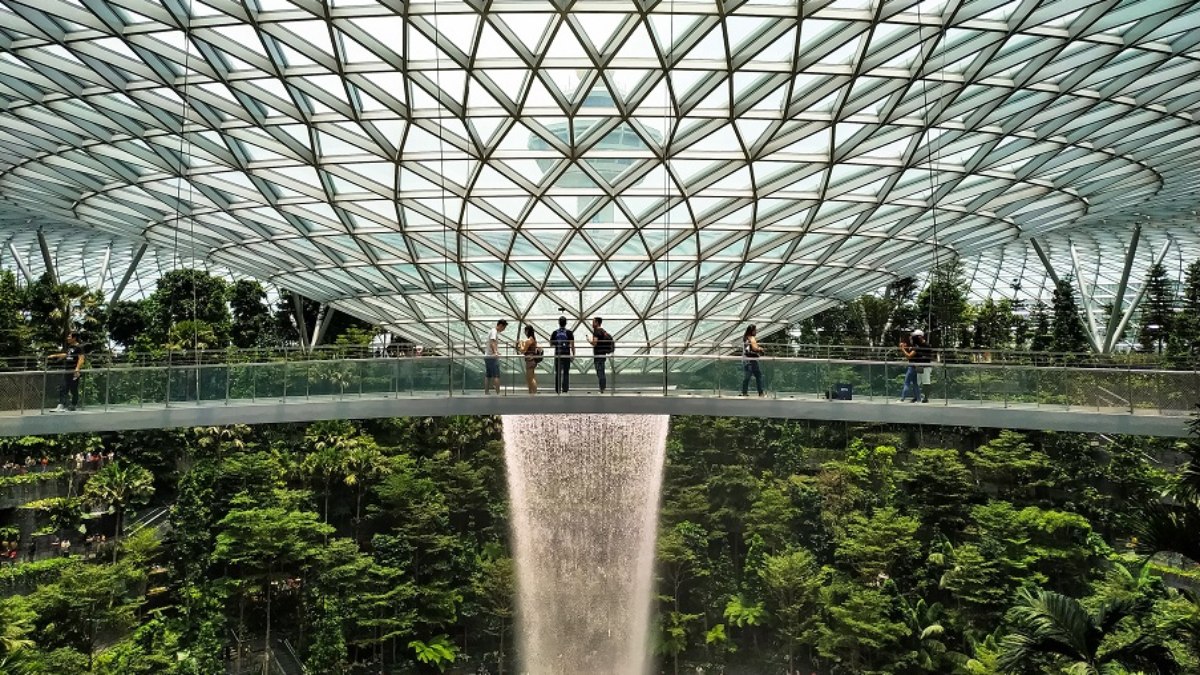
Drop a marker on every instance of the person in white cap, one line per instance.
(916, 350)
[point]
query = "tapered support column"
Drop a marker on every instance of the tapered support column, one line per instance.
(137, 258)
(104, 268)
(1141, 292)
(301, 324)
(47, 259)
(1114, 316)
(1086, 299)
(20, 264)
(327, 313)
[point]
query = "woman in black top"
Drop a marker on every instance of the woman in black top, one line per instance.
(750, 353)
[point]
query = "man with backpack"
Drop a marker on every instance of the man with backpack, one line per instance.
(602, 347)
(563, 341)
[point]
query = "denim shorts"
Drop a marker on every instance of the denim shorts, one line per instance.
(492, 366)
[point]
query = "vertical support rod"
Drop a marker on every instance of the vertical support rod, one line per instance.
(1114, 317)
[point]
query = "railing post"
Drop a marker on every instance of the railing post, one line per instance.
(285, 374)
(228, 379)
(1129, 387)
(167, 403)
(107, 375)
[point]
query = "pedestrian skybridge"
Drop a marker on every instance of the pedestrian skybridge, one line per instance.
(240, 390)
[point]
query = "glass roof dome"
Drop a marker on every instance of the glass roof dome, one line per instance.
(680, 168)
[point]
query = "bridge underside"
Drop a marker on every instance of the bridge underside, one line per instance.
(940, 413)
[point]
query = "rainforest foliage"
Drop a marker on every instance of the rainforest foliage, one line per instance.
(784, 547)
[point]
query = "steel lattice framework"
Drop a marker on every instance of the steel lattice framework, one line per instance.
(681, 168)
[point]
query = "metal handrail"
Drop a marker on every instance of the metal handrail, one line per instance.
(514, 357)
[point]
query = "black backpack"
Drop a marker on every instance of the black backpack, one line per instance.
(605, 344)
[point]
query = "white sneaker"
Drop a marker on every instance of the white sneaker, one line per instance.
(60, 408)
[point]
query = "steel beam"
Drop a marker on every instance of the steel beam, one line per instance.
(137, 258)
(46, 257)
(1114, 317)
(1085, 298)
(1141, 291)
(104, 268)
(327, 312)
(21, 264)
(1037, 247)
(301, 324)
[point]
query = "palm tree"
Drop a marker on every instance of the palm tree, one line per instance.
(1051, 625)
(363, 461)
(118, 486)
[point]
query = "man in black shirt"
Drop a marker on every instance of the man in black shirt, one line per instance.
(563, 341)
(72, 358)
(602, 348)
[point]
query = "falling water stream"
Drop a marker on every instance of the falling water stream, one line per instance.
(584, 491)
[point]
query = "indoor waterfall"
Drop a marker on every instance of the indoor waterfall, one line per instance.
(584, 493)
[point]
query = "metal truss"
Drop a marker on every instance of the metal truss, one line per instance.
(681, 168)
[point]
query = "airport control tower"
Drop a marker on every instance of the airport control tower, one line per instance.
(620, 149)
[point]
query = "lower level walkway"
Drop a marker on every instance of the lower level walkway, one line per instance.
(783, 406)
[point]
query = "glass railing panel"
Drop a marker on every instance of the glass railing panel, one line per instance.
(690, 375)
(376, 376)
(17, 394)
(268, 380)
(1099, 388)
(431, 376)
(213, 383)
(155, 386)
(323, 379)
(1164, 390)
(242, 384)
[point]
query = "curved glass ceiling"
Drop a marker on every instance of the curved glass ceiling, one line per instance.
(681, 168)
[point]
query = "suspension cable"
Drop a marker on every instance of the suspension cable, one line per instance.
(930, 159)
(445, 220)
(185, 151)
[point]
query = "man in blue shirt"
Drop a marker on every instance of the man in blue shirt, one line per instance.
(563, 341)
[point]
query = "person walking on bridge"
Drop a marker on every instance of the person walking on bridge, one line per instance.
(750, 353)
(72, 358)
(917, 351)
(491, 359)
(563, 341)
(602, 348)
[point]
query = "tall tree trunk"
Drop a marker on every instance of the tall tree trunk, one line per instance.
(117, 534)
(500, 660)
(267, 636)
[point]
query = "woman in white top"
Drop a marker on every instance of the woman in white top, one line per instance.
(529, 348)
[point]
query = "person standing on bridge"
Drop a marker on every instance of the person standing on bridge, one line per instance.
(602, 348)
(72, 358)
(533, 356)
(917, 351)
(750, 353)
(491, 360)
(563, 341)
